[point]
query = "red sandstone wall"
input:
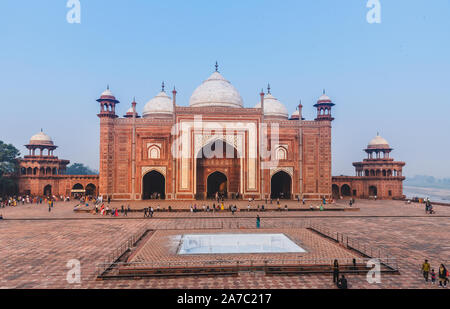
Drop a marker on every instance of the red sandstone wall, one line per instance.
(116, 154)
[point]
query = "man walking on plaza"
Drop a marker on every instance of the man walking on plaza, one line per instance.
(426, 270)
(335, 271)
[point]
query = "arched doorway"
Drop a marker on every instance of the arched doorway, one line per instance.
(346, 191)
(335, 190)
(217, 183)
(373, 191)
(218, 155)
(91, 190)
(47, 190)
(153, 186)
(78, 190)
(280, 186)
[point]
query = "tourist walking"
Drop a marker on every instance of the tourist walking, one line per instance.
(433, 276)
(426, 270)
(335, 271)
(342, 283)
(258, 222)
(443, 276)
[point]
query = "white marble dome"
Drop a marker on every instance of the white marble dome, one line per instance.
(216, 91)
(324, 97)
(378, 143)
(41, 139)
(273, 107)
(108, 93)
(160, 105)
(295, 115)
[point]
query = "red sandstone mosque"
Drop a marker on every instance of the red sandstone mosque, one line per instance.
(215, 146)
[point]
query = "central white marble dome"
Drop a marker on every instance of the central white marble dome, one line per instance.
(216, 91)
(273, 107)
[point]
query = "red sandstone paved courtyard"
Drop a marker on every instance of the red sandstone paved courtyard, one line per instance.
(35, 251)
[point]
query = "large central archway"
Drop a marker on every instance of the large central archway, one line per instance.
(218, 156)
(280, 186)
(217, 183)
(153, 186)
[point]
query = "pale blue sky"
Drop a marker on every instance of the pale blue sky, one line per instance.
(392, 78)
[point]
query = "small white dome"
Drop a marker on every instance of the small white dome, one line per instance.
(273, 107)
(41, 139)
(108, 93)
(216, 91)
(130, 110)
(379, 143)
(159, 105)
(324, 97)
(295, 115)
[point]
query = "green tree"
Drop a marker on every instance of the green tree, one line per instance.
(80, 169)
(8, 168)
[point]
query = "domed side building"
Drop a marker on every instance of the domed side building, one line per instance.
(377, 177)
(209, 146)
(42, 174)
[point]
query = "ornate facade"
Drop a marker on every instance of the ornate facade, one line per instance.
(214, 146)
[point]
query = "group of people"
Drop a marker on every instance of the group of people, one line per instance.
(442, 275)
(27, 199)
(148, 212)
(104, 210)
(214, 208)
(341, 282)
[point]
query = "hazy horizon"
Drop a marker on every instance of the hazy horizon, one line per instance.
(390, 78)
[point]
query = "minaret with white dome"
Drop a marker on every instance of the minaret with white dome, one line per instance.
(131, 112)
(107, 104)
(324, 105)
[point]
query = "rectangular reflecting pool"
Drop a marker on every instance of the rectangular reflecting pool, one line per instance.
(237, 243)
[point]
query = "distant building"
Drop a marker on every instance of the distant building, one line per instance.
(41, 173)
(377, 176)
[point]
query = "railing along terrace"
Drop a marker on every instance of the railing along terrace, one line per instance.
(305, 265)
(114, 256)
(380, 253)
(366, 250)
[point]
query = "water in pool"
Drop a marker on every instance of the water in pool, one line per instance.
(237, 243)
